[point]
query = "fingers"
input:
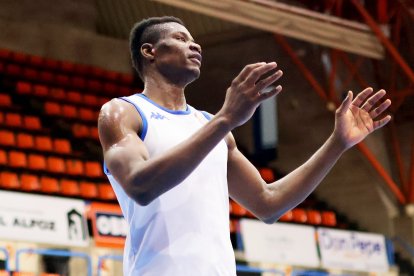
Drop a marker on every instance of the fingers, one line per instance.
(271, 93)
(247, 69)
(367, 106)
(381, 108)
(262, 84)
(380, 123)
(346, 103)
(362, 96)
(259, 71)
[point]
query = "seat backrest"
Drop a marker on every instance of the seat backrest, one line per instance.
(69, 111)
(17, 159)
(5, 100)
(88, 189)
(29, 182)
(74, 167)
(3, 157)
(80, 131)
(9, 180)
(93, 169)
(74, 96)
(62, 145)
(23, 87)
(69, 187)
(32, 122)
(314, 217)
(13, 119)
(56, 164)
(43, 143)
(7, 138)
(52, 108)
(329, 218)
(299, 215)
(37, 162)
(40, 90)
(25, 141)
(49, 185)
(106, 192)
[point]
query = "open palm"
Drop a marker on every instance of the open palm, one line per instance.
(357, 118)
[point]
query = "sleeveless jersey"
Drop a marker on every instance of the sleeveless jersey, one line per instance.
(185, 231)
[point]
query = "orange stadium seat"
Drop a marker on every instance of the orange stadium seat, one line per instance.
(5, 100)
(7, 138)
(3, 157)
(52, 108)
(69, 111)
(23, 87)
(62, 80)
(328, 218)
(93, 131)
(93, 169)
(67, 66)
(24, 274)
(69, 187)
(36, 61)
(43, 143)
(267, 174)
(299, 215)
(19, 57)
(49, 185)
(51, 64)
(74, 167)
(90, 100)
(126, 79)
(57, 93)
(37, 162)
(74, 96)
(4, 273)
(9, 180)
(13, 70)
(30, 74)
(56, 165)
(106, 192)
(238, 210)
(1, 118)
(78, 82)
(88, 189)
(87, 114)
(111, 75)
(17, 159)
(40, 90)
(13, 119)
(29, 182)
(80, 131)
(103, 100)
(62, 146)
(32, 122)
(94, 85)
(25, 141)
(110, 88)
(286, 217)
(314, 217)
(46, 76)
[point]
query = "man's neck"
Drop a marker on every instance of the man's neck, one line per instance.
(166, 94)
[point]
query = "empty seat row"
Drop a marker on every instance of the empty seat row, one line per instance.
(34, 142)
(51, 164)
(71, 111)
(5, 100)
(62, 80)
(314, 217)
(26, 88)
(67, 187)
(84, 131)
(64, 66)
(16, 120)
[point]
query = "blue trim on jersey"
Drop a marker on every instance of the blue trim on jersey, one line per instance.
(176, 112)
(144, 119)
(105, 169)
(207, 115)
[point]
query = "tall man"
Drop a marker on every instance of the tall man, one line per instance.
(173, 167)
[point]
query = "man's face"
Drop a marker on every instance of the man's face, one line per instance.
(176, 55)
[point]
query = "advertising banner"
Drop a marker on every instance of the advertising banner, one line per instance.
(352, 250)
(108, 225)
(279, 243)
(43, 219)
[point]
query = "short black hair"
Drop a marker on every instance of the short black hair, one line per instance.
(146, 31)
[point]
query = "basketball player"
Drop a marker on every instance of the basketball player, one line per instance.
(173, 167)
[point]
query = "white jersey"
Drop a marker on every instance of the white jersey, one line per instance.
(185, 231)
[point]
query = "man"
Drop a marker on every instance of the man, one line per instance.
(173, 167)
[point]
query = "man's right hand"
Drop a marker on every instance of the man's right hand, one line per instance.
(245, 93)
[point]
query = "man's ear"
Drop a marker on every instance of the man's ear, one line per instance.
(147, 51)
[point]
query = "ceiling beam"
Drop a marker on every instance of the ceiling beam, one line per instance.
(290, 21)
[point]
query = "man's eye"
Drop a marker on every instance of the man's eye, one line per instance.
(181, 38)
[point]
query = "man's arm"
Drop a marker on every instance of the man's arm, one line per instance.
(354, 121)
(144, 179)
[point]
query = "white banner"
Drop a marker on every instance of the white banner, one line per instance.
(43, 219)
(279, 243)
(352, 250)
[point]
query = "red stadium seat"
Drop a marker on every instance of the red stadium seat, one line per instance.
(1, 118)
(17, 159)
(52, 108)
(110, 88)
(36, 61)
(5, 100)
(13, 119)
(74, 167)
(49, 185)
(37, 162)
(57, 93)
(97, 72)
(87, 114)
(23, 87)
(62, 80)
(90, 100)
(25, 141)
(314, 217)
(30, 74)
(9, 180)
(74, 96)
(7, 138)
(29, 183)
(51, 64)
(62, 145)
(106, 192)
(69, 187)
(43, 143)
(3, 157)
(328, 218)
(78, 82)
(69, 111)
(88, 190)
(93, 169)
(267, 174)
(237, 210)
(286, 217)
(111, 75)
(67, 66)
(14, 70)
(93, 133)
(5, 54)
(40, 91)
(19, 57)
(32, 122)
(103, 100)
(126, 79)
(299, 215)
(80, 131)
(56, 165)
(46, 76)
(94, 85)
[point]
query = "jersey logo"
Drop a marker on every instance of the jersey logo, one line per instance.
(157, 116)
